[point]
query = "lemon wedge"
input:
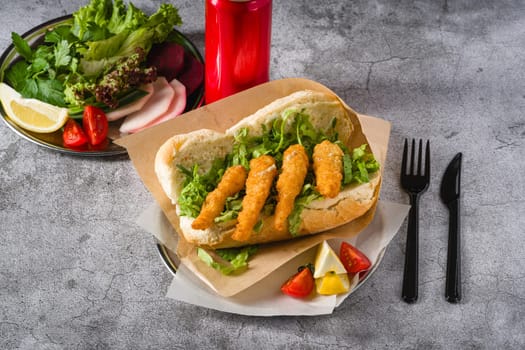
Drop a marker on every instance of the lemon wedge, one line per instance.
(329, 273)
(332, 283)
(327, 261)
(32, 114)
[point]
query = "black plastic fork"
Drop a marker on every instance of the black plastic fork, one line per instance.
(414, 183)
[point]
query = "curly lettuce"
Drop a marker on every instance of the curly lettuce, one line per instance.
(110, 32)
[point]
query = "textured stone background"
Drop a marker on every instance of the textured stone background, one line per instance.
(77, 273)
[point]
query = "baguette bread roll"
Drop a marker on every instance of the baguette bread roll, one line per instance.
(203, 146)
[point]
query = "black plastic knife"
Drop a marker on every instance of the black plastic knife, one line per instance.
(450, 195)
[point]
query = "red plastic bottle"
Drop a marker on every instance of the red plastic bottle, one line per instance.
(237, 46)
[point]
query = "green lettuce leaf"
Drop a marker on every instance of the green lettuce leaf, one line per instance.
(235, 259)
(197, 186)
(231, 208)
(126, 30)
(123, 19)
(90, 22)
(308, 194)
(359, 165)
(103, 49)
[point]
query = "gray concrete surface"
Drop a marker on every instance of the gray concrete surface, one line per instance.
(77, 273)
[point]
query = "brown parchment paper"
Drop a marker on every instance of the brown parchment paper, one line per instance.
(142, 148)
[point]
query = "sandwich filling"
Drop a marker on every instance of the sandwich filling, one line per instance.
(325, 153)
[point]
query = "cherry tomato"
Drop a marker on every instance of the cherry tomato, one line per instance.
(299, 285)
(73, 135)
(353, 259)
(95, 124)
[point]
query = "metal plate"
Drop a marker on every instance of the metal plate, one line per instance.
(53, 141)
(169, 258)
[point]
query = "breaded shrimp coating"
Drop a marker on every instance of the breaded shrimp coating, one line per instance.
(231, 182)
(290, 183)
(258, 184)
(328, 168)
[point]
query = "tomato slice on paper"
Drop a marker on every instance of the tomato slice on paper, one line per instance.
(95, 124)
(353, 259)
(299, 285)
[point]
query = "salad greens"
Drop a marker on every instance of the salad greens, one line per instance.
(97, 57)
(291, 127)
(236, 259)
(197, 186)
(357, 166)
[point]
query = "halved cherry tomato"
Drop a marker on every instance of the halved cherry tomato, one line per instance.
(301, 284)
(95, 124)
(73, 135)
(353, 259)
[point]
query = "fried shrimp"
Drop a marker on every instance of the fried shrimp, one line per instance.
(328, 168)
(258, 184)
(290, 183)
(231, 182)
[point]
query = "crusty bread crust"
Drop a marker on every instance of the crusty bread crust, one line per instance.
(203, 146)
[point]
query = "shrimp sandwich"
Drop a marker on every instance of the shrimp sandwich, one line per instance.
(288, 170)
